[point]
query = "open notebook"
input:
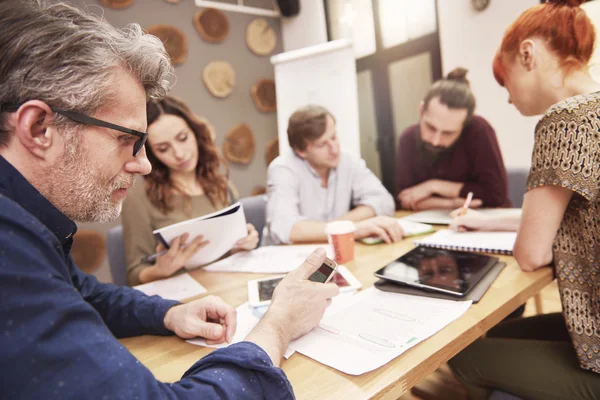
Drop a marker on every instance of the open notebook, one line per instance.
(222, 229)
(410, 228)
(483, 242)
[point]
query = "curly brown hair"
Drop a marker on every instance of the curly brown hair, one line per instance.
(214, 182)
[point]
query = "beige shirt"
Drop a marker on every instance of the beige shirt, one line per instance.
(567, 154)
(140, 217)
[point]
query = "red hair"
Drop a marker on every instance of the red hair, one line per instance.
(561, 23)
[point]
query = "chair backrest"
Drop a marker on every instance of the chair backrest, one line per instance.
(88, 250)
(517, 184)
(255, 211)
(116, 255)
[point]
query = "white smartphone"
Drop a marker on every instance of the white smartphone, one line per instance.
(260, 291)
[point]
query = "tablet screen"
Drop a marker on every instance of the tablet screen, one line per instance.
(447, 270)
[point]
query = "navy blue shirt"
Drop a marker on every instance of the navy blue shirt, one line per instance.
(58, 324)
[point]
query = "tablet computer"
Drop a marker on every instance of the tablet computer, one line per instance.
(447, 271)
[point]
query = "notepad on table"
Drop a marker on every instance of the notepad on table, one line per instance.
(483, 242)
(222, 229)
(442, 217)
(410, 228)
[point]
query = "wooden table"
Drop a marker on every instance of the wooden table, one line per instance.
(169, 357)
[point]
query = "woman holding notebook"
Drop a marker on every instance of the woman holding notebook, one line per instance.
(188, 180)
(542, 62)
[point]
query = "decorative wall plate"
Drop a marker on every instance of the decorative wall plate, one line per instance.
(264, 96)
(239, 146)
(116, 4)
(260, 37)
(212, 25)
(174, 40)
(219, 78)
(271, 151)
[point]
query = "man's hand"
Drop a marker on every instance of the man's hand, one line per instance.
(209, 317)
(386, 228)
(411, 196)
(297, 307)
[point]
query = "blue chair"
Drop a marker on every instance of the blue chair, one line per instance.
(498, 395)
(517, 184)
(255, 211)
(116, 255)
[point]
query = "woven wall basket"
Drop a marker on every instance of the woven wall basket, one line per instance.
(260, 37)
(264, 96)
(116, 4)
(219, 78)
(212, 25)
(239, 146)
(174, 40)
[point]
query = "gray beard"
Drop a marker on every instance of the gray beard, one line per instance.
(77, 191)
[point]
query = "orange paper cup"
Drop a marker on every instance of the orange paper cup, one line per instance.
(341, 237)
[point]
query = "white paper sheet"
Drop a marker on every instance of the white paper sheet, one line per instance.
(267, 259)
(442, 217)
(222, 229)
(375, 327)
(248, 317)
(177, 288)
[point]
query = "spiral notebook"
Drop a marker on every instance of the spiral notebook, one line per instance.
(482, 242)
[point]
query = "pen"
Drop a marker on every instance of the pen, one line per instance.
(152, 257)
(465, 206)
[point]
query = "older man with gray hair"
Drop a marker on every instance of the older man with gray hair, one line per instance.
(73, 92)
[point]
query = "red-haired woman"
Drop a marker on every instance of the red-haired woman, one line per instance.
(542, 62)
(188, 179)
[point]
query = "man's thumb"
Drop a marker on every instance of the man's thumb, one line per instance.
(211, 331)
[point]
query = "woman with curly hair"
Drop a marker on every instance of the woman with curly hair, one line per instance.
(188, 179)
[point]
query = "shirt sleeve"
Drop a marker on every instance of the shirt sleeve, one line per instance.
(367, 190)
(564, 154)
(55, 344)
(283, 202)
(137, 233)
(488, 180)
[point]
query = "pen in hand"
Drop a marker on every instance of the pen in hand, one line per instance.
(150, 259)
(465, 206)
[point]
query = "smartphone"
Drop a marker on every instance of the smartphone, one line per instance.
(260, 291)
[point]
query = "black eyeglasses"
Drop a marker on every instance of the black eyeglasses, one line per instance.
(84, 119)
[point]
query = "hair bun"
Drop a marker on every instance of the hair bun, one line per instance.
(568, 3)
(458, 74)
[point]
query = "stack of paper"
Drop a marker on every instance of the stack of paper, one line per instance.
(442, 217)
(375, 327)
(177, 288)
(267, 259)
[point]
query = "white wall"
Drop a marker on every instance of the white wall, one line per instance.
(305, 29)
(470, 39)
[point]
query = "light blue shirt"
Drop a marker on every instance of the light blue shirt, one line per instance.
(295, 193)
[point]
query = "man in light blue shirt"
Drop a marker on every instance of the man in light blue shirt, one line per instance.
(317, 183)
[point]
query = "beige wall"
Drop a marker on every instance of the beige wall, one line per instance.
(222, 113)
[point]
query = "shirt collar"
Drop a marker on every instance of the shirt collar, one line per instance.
(312, 171)
(14, 186)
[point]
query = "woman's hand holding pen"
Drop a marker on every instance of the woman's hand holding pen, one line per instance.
(173, 259)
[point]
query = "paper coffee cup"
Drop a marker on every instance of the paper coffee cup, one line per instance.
(341, 237)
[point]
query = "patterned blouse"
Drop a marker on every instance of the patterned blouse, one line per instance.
(567, 154)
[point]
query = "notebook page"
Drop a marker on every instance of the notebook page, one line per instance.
(476, 241)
